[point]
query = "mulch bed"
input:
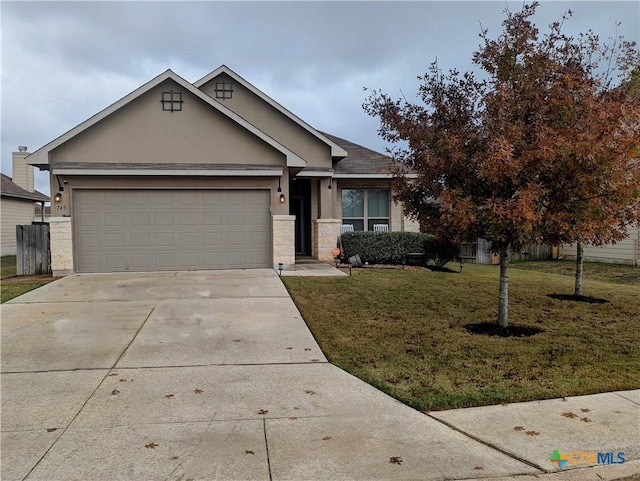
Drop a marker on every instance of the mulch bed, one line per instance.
(571, 297)
(491, 329)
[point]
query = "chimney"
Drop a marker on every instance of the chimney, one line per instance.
(22, 172)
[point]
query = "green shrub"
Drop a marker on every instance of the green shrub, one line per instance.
(393, 247)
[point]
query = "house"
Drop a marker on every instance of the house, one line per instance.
(209, 175)
(627, 251)
(18, 197)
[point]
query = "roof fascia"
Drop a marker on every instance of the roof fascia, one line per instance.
(336, 150)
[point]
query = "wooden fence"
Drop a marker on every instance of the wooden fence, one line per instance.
(478, 253)
(33, 255)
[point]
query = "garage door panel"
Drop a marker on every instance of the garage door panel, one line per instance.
(115, 239)
(164, 239)
(149, 230)
(188, 218)
(140, 261)
(139, 219)
(115, 262)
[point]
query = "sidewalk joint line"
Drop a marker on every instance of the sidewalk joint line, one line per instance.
(490, 445)
(66, 428)
(626, 398)
(266, 445)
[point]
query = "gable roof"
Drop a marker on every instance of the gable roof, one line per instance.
(40, 157)
(336, 149)
(10, 189)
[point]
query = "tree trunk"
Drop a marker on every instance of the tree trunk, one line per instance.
(579, 269)
(503, 306)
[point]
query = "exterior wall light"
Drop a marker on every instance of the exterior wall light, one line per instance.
(58, 196)
(282, 197)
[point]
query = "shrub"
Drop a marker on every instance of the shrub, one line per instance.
(393, 247)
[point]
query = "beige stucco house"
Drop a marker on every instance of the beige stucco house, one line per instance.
(209, 175)
(18, 198)
(627, 251)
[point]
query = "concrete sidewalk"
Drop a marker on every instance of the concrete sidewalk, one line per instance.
(214, 375)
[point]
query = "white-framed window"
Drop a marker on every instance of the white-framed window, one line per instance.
(363, 208)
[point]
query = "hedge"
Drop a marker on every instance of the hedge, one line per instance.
(393, 247)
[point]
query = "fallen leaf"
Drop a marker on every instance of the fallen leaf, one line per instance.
(532, 433)
(151, 446)
(122, 380)
(198, 391)
(293, 418)
(395, 460)
(518, 428)
(50, 430)
(327, 438)
(249, 452)
(173, 458)
(289, 348)
(585, 420)
(585, 410)
(263, 411)
(308, 391)
(307, 349)
(478, 467)
(502, 404)
(168, 396)
(569, 415)
(236, 340)
(114, 392)
(113, 374)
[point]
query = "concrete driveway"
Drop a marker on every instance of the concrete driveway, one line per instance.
(213, 375)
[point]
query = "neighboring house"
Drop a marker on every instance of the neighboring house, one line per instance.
(627, 251)
(209, 175)
(18, 197)
(38, 217)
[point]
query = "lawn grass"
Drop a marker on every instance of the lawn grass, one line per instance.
(16, 287)
(7, 266)
(404, 332)
(598, 271)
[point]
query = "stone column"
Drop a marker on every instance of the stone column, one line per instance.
(325, 236)
(284, 242)
(61, 241)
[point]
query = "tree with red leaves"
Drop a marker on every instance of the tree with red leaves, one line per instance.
(498, 158)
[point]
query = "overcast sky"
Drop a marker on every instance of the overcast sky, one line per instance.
(62, 62)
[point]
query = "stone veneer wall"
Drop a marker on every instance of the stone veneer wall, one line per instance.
(325, 237)
(61, 241)
(284, 242)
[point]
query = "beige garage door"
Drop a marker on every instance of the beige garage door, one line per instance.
(156, 230)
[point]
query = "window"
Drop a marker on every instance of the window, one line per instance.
(363, 208)
(224, 90)
(172, 101)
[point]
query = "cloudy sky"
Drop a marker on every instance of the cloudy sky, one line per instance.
(62, 62)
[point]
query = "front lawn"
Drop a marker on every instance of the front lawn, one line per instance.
(12, 286)
(597, 271)
(404, 332)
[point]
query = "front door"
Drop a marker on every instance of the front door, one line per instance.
(300, 206)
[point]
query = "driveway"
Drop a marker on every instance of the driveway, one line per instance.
(208, 375)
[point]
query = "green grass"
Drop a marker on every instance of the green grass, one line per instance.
(16, 287)
(7, 266)
(615, 273)
(404, 332)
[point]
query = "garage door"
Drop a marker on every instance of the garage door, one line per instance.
(156, 230)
